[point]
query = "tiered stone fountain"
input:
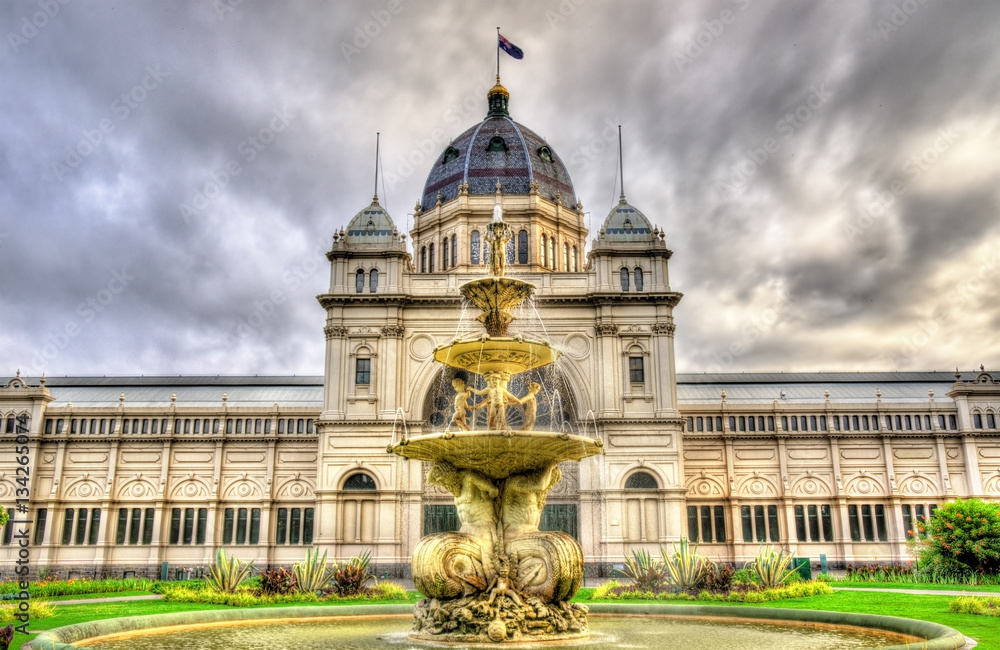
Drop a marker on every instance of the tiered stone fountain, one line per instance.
(498, 578)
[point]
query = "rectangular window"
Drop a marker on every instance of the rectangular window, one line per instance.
(293, 529)
(867, 524)
(562, 517)
(852, 515)
(255, 525)
(363, 372)
(747, 522)
(175, 525)
(8, 529)
(307, 526)
(772, 524)
(636, 375)
(95, 526)
(813, 524)
(281, 526)
(706, 523)
(911, 531)
(40, 518)
(202, 526)
(952, 423)
(825, 514)
(227, 526)
(880, 527)
(758, 520)
(693, 523)
(134, 530)
(800, 523)
(188, 526)
(81, 526)
(147, 526)
(720, 524)
(122, 529)
(440, 519)
(241, 526)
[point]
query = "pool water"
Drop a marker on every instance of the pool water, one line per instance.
(390, 633)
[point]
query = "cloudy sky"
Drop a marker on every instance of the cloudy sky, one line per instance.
(826, 173)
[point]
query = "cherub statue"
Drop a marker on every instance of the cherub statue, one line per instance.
(530, 404)
(462, 396)
(497, 399)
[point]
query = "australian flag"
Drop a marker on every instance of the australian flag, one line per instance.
(510, 48)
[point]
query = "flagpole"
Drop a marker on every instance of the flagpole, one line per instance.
(376, 165)
(498, 53)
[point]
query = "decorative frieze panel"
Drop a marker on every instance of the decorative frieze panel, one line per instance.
(707, 485)
(811, 485)
(85, 487)
(135, 487)
(919, 484)
(296, 487)
(757, 485)
(189, 488)
(242, 487)
(866, 485)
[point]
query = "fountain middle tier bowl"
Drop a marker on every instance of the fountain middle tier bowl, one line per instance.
(497, 294)
(502, 354)
(498, 454)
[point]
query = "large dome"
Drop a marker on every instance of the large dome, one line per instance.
(498, 149)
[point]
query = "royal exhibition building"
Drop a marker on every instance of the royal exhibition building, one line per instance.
(138, 475)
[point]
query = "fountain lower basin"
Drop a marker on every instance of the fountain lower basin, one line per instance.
(383, 627)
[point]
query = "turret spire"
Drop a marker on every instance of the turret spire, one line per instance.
(621, 166)
(375, 198)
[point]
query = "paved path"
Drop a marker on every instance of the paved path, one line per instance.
(927, 592)
(113, 599)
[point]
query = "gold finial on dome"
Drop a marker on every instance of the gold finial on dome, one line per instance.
(498, 89)
(497, 98)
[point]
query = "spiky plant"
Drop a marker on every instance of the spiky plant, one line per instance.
(772, 567)
(353, 575)
(686, 569)
(643, 571)
(312, 574)
(227, 574)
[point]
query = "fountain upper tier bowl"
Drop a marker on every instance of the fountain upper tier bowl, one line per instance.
(498, 454)
(488, 354)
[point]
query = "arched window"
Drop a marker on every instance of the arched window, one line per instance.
(444, 255)
(454, 250)
(545, 250)
(552, 252)
(497, 144)
(624, 278)
(566, 257)
(373, 281)
(636, 366)
(359, 280)
(522, 247)
(423, 259)
(638, 278)
(576, 261)
(359, 481)
(627, 226)
(474, 247)
(430, 259)
(451, 153)
(642, 481)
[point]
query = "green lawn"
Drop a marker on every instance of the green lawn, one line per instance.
(931, 608)
(116, 594)
(930, 586)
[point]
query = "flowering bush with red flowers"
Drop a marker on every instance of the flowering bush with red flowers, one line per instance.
(964, 533)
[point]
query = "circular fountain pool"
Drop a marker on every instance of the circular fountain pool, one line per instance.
(612, 626)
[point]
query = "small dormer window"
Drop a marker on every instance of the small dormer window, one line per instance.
(371, 225)
(451, 153)
(497, 144)
(627, 225)
(545, 154)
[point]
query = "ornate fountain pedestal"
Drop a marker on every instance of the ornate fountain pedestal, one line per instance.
(498, 578)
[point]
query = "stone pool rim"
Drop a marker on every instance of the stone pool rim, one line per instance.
(939, 637)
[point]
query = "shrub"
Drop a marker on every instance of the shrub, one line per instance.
(36, 609)
(227, 574)
(351, 577)
(963, 532)
(277, 582)
(606, 591)
(980, 605)
(685, 568)
(772, 567)
(642, 570)
(388, 591)
(4, 518)
(239, 598)
(719, 577)
(744, 577)
(71, 587)
(312, 574)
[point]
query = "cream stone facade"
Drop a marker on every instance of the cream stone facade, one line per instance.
(127, 473)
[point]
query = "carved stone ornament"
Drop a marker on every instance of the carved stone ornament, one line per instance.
(607, 329)
(667, 328)
(335, 331)
(392, 331)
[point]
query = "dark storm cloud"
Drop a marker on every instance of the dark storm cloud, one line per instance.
(216, 237)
